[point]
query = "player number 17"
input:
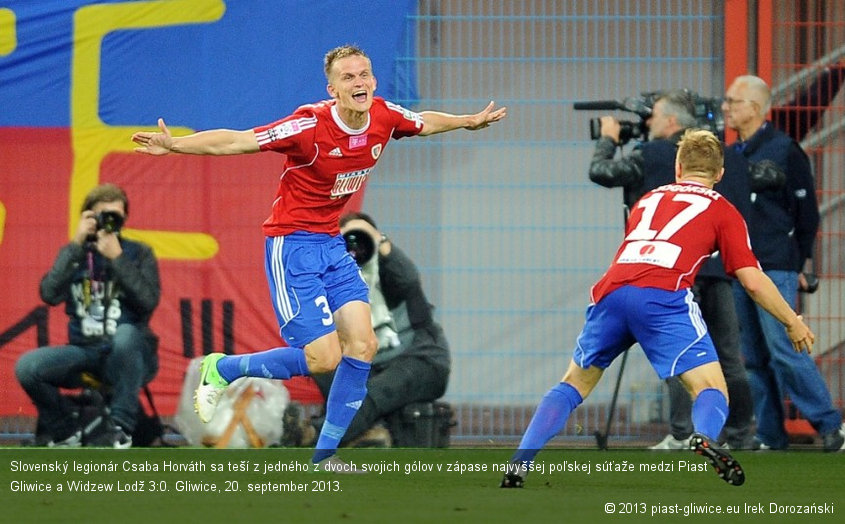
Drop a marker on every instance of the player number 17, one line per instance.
(643, 231)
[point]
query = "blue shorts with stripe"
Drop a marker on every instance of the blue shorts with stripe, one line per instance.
(667, 324)
(311, 275)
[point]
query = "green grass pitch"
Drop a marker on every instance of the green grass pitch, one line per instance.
(163, 485)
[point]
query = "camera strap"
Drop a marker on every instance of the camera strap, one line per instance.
(96, 284)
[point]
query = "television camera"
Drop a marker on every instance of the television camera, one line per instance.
(708, 114)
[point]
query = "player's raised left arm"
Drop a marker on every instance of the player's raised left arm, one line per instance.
(438, 122)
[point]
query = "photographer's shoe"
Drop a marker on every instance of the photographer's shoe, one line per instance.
(110, 436)
(73, 441)
(514, 476)
(670, 443)
(725, 465)
(210, 388)
(835, 440)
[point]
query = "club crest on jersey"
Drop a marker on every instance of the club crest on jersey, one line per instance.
(348, 183)
(376, 150)
(357, 141)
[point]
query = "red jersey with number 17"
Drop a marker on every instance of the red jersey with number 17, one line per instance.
(672, 230)
(326, 161)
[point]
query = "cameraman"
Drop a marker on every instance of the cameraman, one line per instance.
(413, 362)
(652, 164)
(110, 287)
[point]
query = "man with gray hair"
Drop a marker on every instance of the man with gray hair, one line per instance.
(783, 221)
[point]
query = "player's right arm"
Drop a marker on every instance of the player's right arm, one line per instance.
(214, 142)
(763, 291)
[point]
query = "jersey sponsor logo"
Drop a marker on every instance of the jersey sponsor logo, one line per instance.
(663, 254)
(348, 183)
(335, 152)
(357, 141)
(376, 151)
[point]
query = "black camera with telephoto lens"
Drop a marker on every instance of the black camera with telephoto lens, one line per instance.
(628, 130)
(108, 221)
(360, 245)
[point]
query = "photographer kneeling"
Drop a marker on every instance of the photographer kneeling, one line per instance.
(110, 287)
(413, 362)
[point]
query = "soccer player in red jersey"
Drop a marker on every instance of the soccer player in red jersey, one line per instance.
(645, 297)
(320, 299)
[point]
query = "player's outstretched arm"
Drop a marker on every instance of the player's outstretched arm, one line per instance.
(214, 142)
(438, 122)
(764, 292)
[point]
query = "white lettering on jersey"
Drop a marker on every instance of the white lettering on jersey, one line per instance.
(348, 183)
(663, 254)
(285, 129)
(416, 118)
(695, 206)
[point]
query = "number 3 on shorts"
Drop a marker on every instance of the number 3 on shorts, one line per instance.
(323, 304)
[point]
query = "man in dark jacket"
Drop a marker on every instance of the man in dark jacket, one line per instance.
(650, 165)
(782, 222)
(110, 287)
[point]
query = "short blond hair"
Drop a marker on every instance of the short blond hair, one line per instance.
(699, 151)
(341, 52)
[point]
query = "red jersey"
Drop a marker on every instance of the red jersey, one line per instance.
(326, 161)
(672, 230)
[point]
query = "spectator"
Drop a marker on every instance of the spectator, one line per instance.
(110, 287)
(783, 221)
(651, 165)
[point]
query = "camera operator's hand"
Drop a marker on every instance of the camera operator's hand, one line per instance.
(105, 242)
(610, 127)
(108, 244)
(87, 227)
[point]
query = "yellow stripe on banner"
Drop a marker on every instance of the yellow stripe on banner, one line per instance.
(92, 139)
(8, 31)
(2, 221)
(175, 244)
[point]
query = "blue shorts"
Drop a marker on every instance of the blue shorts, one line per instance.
(311, 275)
(667, 324)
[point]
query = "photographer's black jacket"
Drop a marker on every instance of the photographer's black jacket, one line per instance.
(652, 164)
(127, 287)
(419, 334)
(783, 222)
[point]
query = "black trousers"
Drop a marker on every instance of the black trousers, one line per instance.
(715, 297)
(391, 386)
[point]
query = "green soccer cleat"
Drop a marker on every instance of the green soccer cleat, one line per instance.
(210, 388)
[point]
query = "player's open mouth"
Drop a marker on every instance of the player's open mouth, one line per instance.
(360, 97)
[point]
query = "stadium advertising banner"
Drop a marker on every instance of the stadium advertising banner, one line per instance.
(78, 78)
